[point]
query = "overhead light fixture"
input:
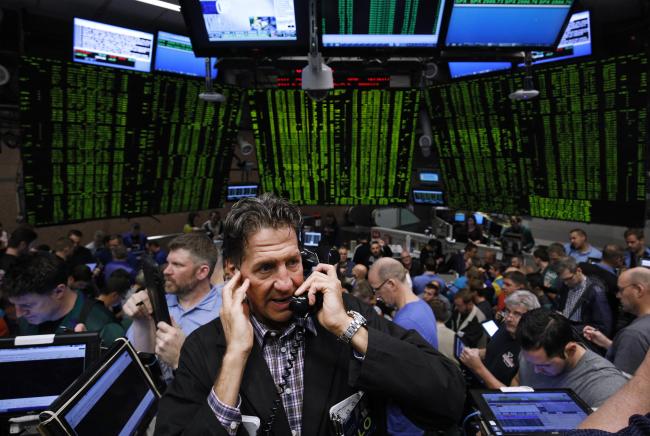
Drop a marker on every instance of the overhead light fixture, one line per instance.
(162, 4)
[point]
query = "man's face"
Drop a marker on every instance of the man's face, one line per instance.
(635, 245)
(37, 308)
(515, 262)
(343, 254)
(571, 279)
(112, 243)
(180, 272)
(273, 265)
(471, 253)
(406, 259)
(76, 240)
(627, 294)
(429, 293)
(548, 366)
(513, 315)
(509, 286)
(462, 307)
(577, 240)
(375, 249)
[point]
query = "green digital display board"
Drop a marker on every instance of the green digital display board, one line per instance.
(101, 142)
(355, 147)
(578, 152)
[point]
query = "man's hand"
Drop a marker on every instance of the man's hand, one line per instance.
(333, 315)
(234, 316)
(595, 336)
(471, 358)
(138, 307)
(169, 341)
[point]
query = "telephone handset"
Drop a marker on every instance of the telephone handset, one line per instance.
(300, 305)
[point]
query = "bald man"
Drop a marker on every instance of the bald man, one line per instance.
(630, 345)
(359, 272)
(390, 282)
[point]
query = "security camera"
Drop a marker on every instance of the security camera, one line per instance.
(317, 78)
(245, 147)
(212, 97)
(523, 94)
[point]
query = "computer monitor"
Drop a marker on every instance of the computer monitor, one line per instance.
(463, 69)
(112, 46)
(237, 192)
(459, 217)
(428, 196)
(174, 55)
(35, 370)
(575, 42)
(117, 396)
(222, 27)
(312, 239)
(513, 24)
(542, 412)
(393, 25)
(429, 177)
(478, 218)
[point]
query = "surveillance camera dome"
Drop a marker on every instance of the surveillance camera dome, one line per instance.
(523, 94)
(212, 97)
(246, 148)
(317, 94)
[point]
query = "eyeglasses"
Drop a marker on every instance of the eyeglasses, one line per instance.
(513, 313)
(568, 279)
(622, 288)
(375, 290)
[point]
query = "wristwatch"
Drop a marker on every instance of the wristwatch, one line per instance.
(358, 321)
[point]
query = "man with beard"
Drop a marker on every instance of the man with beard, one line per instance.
(191, 300)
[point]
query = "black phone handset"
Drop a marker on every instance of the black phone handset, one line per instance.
(155, 283)
(300, 305)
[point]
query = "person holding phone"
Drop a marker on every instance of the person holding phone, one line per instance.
(191, 299)
(259, 359)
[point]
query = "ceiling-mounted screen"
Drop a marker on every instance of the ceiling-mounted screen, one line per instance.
(174, 55)
(512, 24)
(462, 69)
(575, 42)
(111, 46)
(381, 23)
(220, 27)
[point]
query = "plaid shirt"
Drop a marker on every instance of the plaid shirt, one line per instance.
(276, 346)
(573, 297)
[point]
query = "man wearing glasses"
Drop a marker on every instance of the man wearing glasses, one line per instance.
(583, 300)
(630, 345)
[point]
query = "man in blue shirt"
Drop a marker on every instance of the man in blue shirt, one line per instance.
(579, 248)
(388, 279)
(636, 250)
(191, 300)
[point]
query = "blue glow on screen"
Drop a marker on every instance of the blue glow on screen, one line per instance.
(174, 55)
(505, 26)
(461, 69)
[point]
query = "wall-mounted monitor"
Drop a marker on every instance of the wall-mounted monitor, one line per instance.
(174, 55)
(462, 69)
(575, 42)
(429, 177)
(355, 24)
(237, 192)
(428, 196)
(111, 46)
(514, 24)
(220, 27)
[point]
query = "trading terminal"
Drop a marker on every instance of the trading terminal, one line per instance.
(479, 143)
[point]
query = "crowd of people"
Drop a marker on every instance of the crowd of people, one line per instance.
(577, 318)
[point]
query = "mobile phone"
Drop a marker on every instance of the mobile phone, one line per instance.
(459, 346)
(490, 327)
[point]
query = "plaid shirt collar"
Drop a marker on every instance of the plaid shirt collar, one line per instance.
(262, 331)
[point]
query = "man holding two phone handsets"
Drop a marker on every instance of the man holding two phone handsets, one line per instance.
(259, 359)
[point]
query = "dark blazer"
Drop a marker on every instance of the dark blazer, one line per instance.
(398, 364)
(595, 309)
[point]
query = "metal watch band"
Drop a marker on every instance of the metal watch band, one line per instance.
(358, 321)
